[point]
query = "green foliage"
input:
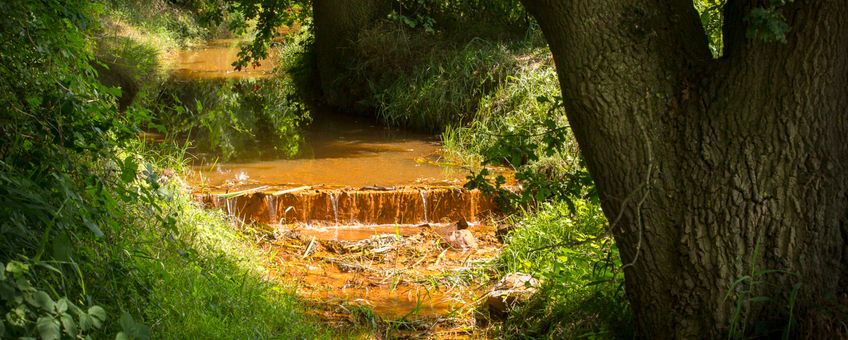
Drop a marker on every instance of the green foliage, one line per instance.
(33, 311)
(232, 118)
(96, 239)
(712, 18)
(441, 90)
(568, 249)
(522, 125)
(268, 16)
(242, 118)
(158, 21)
(450, 14)
(767, 23)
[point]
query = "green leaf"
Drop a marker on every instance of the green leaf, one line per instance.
(48, 328)
(98, 315)
(760, 299)
(62, 305)
(16, 267)
(41, 300)
(62, 249)
(86, 322)
(2, 273)
(133, 329)
(2, 328)
(129, 170)
(122, 336)
(93, 227)
(69, 325)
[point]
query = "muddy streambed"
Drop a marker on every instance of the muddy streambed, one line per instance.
(373, 229)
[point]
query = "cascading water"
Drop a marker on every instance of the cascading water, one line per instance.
(229, 206)
(272, 208)
(424, 200)
(334, 199)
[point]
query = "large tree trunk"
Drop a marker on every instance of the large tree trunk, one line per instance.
(726, 181)
(337, 24)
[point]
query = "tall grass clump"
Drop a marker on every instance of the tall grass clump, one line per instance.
(425, 67)
(517, 107)
(445, 89)
(582, 294)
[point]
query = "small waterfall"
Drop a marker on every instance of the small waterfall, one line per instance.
(229, 206)
(271, 200)
(334, 199)
(424, 199)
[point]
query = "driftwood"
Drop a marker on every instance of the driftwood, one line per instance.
(288, 191)
(243, 192)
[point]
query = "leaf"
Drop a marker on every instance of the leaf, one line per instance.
(98, 315)
(86, 322)
(759, 299)
(121, 336)
(62, 305)
(41, 300)
(16, 267)
(2, 328)
(133, 329)
(48, 328)
(69, 325)
(129, 169)
(62, 249)
(93, 227)
(2, 273)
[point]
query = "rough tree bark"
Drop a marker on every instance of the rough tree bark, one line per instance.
(720, 170)
(337, 24)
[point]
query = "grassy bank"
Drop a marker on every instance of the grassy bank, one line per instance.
(99, 235)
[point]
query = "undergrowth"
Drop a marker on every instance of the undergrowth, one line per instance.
(98, 236)
(582, 294)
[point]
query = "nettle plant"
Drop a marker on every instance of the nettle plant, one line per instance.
(33, 311)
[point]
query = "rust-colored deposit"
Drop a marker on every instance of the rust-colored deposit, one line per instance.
(355, 206)
(418, 281)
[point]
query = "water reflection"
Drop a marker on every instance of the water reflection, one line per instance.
(214, 61)
(342, 151)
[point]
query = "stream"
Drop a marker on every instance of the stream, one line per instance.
(373, 230)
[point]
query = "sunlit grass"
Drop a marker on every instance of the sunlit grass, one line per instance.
(582, 292)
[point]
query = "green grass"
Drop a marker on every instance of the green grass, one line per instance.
(207, 282)
(512, 108)
(445, 89)
(582, 293)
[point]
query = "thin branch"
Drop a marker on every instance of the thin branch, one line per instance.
(647, 186)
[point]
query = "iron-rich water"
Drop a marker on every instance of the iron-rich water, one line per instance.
(343, 152)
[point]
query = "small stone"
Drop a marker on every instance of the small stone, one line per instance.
(462, 239)
(511, 290)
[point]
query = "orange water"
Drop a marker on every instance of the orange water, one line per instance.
(342, 151)
(215, 59)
